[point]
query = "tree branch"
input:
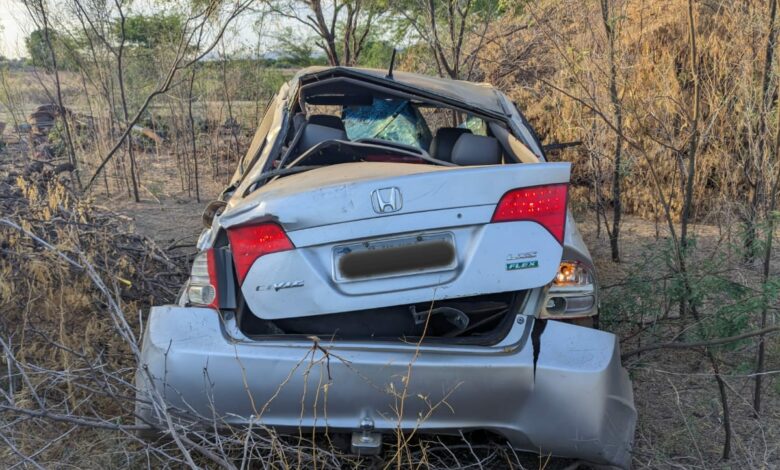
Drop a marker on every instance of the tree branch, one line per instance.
(699, 344)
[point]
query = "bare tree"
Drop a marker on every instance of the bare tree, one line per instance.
(341, 26)
(753, 167)
(210, 20)
(120, 69)
(39, 13)
(770, 213)
(610, 20)
(191, 126)
(690, 144)
(772, 183)
(448, 28)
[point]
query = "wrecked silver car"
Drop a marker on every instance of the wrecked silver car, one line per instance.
(394, 254)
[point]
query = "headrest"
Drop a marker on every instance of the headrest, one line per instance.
(444, 141)
(326, 120)
(313, 134)
(476, 150)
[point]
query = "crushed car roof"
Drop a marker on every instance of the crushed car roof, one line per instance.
(478, 95)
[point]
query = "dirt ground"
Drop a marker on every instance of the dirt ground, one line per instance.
(168, 214)
(170, 221)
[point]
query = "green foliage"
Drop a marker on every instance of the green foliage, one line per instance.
(297, 51)
(151, 31)
(40, 55)
(478, 10)
(57, 139)
(512, 7)
(654, 286)
(643, 294)
(267, 83)
(258, 81)
(38, 50)
(376, 54)
(82, 135)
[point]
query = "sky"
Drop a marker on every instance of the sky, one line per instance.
(15, 26)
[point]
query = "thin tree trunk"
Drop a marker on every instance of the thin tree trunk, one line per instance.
(123, 96)
(684, 220)
(231, 119)
(60, 105)
(756, 187)
(693, 144)
(724, 400)
(192, 134)
(617, 208)
(770, 233)
(761, 355)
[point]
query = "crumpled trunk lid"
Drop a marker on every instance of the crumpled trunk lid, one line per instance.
(371, 235)
(343, 193)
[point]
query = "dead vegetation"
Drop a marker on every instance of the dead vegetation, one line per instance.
(624, 77)
(51, 306)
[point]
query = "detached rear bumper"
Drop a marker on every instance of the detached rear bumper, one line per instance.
(579, 405)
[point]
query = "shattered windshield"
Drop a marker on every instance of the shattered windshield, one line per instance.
(392, 120)
(476, 125)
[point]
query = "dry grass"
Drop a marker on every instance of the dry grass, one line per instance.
(55, 320)
(556, 70)
(28, 88)
(57, 323)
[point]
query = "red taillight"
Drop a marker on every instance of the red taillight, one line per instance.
(249, 242)
(545, 205)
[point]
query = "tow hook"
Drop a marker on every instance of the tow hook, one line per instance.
(366, 442)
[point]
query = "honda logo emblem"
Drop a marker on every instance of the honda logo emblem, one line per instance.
(386, 200)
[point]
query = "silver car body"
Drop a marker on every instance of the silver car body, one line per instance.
(330, 207)
(568, 395)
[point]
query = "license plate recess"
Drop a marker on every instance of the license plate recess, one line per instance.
(390, 257)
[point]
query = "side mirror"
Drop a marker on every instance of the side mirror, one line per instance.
(212, 210)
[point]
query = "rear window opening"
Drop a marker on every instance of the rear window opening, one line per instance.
(482, 319)
(415, 127)
(349, 110)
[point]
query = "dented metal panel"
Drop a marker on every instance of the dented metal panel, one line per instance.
(342, 193)
(579, 402)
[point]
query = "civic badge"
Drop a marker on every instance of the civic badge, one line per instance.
(386, 200)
